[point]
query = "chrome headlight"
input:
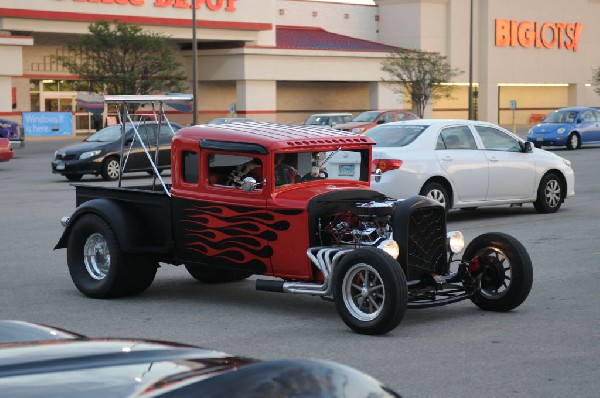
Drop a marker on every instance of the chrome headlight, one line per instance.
(358, 130)
(561, 130)
(89, 154)
(390, 247)
(456, 241)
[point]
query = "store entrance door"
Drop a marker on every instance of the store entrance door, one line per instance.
(66, 101)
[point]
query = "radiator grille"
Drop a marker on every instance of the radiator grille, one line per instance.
(427, 241)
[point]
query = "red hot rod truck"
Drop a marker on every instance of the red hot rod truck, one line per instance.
(292, 203)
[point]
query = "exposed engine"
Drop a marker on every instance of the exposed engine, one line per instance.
(364, 224)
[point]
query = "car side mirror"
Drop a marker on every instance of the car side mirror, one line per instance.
(527, 147)
(248, 184)
(579, 120)
(380, 121)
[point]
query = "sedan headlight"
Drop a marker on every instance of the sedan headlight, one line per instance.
(561, 130)
(390, 247)
(456, 241)
(567, 162)
(358, 130)
(89, 154)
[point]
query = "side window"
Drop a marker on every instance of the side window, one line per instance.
(230, 170)
(388, 117)
(190, 167)
(456, 137)
(588, 116)
(496, 140)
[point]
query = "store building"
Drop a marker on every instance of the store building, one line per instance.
(281, 60)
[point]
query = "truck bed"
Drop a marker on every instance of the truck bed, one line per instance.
(149, 206)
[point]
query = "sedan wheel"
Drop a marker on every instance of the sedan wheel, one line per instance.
(111, 169)
(549, 195)
(436, 191)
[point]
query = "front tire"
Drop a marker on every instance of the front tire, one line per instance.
(505, 276)
(370, 291)
(549, 194)
(436, 191)
(206, 274)
(573, 142)
(97, 265)
(73, 177)
(111, 169)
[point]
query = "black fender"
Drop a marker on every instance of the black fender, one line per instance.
(133, 232)
(419, 229)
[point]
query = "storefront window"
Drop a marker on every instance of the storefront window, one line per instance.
(35, 102)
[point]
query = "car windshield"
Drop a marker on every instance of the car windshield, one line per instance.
(395, 135)
(108, 134)
(369, 116)
(561, 117)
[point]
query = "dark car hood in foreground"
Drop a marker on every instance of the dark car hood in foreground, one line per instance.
(76, 366)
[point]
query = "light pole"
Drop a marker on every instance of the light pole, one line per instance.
(470, 117)
(194, 66)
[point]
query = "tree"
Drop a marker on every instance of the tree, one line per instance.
(122, 59)
(596, 80)
(420, 75)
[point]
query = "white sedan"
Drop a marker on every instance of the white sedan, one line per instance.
(467, 164)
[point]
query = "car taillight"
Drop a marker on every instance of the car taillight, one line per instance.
(385, 164)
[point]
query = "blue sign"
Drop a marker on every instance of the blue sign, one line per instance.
(48, 123)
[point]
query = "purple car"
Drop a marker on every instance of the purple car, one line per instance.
(14, 132)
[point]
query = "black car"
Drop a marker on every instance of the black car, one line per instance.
(99, 153)
(41, 361)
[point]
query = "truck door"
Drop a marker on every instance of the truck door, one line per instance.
(217, 222)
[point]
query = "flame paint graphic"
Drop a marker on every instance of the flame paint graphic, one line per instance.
(233, 234)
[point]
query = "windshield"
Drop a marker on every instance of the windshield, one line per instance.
(369, 116)
(561, 117)
(108, 134)
(395, 135)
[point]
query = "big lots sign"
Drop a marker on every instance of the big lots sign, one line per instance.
(538, 34)
(213, 5)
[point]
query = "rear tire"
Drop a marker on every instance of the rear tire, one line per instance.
(549, 195)
(506, 273)
(206, 274)
(370, 291)
(436, 191)
(97, 265)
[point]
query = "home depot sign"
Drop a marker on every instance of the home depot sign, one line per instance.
(538, 34)
(213, 5)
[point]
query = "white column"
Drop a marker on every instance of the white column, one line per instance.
(5, 94)
(488, 102)
(257, 99)
(381, 96)
(576, 94)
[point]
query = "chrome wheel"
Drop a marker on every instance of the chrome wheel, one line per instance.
(363, 292)
(552, 193)
(573, 141)
(96, 256)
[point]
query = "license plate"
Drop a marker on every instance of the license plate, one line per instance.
(346, 170)
(60, 166)
(539, 139)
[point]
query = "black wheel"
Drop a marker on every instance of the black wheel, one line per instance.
(206, 274)
(74, 177)
(97, 265)
(573, 142)
(505, 275)
(370, 291)
(549, 194)
(111, 169)
(436, 191)
(537, 145)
